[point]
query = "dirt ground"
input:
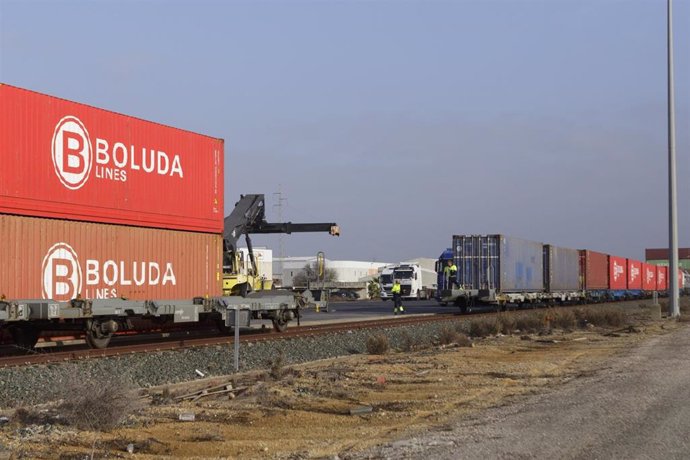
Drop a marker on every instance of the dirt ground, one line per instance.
(339, 406)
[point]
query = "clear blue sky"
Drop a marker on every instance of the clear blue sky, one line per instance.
(405, 122)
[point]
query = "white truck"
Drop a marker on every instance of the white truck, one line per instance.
(386, 282)
(416, 282)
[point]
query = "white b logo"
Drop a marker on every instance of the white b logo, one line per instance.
(61, 273)
(72, 152)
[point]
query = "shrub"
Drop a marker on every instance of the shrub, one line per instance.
(411, 343)
(31, 416)
(685, 304)
(484, 327)
(529, 322)
(449, 335)
(564, 319)
(378, 344)
(507, 323)
(601, 316)
(462, 340)
(277, 368)
(97, 404)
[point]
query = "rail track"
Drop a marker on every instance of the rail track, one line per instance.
(42, 356)
(128, 345)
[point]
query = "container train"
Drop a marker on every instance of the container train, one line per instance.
(106, 219)
(500, 270)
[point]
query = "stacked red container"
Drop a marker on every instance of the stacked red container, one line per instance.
(87, 195)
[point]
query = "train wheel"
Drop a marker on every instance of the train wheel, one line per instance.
(279, 324)
(25, 336)
(461, 302)
(99, 333)
(222, 328)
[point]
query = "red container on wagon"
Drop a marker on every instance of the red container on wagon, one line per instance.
(661, 278)
(594, 269)
(59, 259)
(680, 279)
(67, 160)
(618, 276)
(634, 274)
(649, 277)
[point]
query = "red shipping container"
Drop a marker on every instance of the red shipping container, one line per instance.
(649, 279)
(634, 274)
(618, 277)
(58, 259)
(594, 267)
(680, 279)
(62, 159)
(661, 278)
(662, 254)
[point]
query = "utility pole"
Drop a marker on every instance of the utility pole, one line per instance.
(278, 196)
(673, 306)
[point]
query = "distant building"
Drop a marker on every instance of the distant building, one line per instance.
(347, 271)
(659, 256)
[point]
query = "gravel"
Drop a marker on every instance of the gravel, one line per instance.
(42, 383)
(635, 407)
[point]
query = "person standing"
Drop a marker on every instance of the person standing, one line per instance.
(397, 299)
(450, 271)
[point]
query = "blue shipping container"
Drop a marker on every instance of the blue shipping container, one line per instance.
(561, 269)
(498, 262)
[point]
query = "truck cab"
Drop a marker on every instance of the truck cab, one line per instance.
(386, 282)
(416, 282)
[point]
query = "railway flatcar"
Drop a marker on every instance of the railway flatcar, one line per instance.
(500, 270)
(119, 219)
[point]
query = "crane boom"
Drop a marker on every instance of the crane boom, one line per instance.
(249, 217)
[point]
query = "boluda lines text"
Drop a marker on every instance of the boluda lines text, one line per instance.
(75, 160)
(65, 277)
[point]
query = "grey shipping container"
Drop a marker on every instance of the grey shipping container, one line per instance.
(499, 262)
(561, 268)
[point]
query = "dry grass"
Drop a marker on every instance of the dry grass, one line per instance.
(32, 416)
(564, 319)
(410, 343)
(484, 327)
(604, 316)
(508, 323)
(277, 367)
(448, 336)
(541, 322)
(529, 322)
(378, 344)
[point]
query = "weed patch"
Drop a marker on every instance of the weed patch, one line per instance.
(378, 344)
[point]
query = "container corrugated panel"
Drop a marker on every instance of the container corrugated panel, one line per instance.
(618, 276)
(499, 262)
(662, 278)
(634, 274)
(61, 159)
(649, 279)
(561, 268)
(662, 254)
(594, 267)
(58, 259)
